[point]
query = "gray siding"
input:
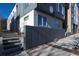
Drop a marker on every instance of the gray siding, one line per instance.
(45, 7)
(35, 36)
(52, 22)
(22, 11)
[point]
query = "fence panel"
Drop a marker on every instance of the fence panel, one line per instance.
(35, 36)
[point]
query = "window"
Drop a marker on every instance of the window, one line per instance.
(60, 8)
(51, 9)
(17, 6)
(74, 28)
(39, 20)
(42, 21)
(57, 7)
(26, 18)
(63, 10)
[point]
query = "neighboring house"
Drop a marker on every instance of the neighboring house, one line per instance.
(51, 15)
(69, 20)
(11, 19)
(72, 20)
(75, 22)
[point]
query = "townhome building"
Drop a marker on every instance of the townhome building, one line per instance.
(78, 18)
(13, 20)
(72, 20)
(51, 15)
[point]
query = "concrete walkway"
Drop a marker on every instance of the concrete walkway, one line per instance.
(46, 50)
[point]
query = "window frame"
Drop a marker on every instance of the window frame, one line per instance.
(26, 17)
(42, 19)
(58, 5)
(63, 10)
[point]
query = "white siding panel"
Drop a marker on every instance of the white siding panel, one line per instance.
(29, 22)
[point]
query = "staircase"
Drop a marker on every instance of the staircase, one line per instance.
(11, 44)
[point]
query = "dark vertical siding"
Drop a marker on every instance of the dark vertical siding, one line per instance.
(35, 36)
(44, 7)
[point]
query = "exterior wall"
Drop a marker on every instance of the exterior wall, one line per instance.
(54, 9)
(33, 14)
(23, 10)
(50, 20)
(33, 20)
(78, 21)
(12, 14)
(69, 20)
(75, 20)
(72, 18)
(30, 20)
(75, 14)
(8, 24)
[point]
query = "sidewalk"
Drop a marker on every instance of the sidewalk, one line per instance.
(46, 50)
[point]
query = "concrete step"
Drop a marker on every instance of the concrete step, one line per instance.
(12, 46)
(12, 38)
(9, 35)
(12, 50)
(5, 42)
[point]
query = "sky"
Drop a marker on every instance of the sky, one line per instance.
(6, 8)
